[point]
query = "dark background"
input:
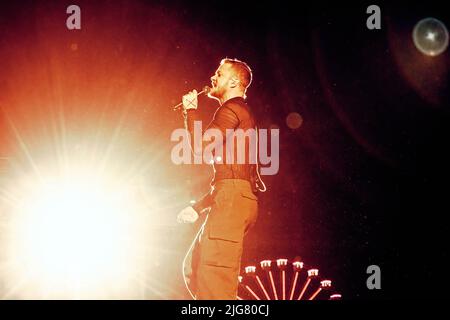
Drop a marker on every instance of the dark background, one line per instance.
(364, 179)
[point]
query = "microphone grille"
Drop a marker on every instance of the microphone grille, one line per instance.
(206, 89)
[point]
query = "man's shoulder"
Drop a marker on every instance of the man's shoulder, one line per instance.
(239, 109)
(235, 102)
(238, 105)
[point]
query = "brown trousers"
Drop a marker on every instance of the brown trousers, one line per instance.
(212, 266)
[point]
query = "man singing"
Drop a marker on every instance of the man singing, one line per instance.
(213, 264)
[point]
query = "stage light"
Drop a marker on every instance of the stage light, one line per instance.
(76, 235)
(430, 36)
(336, 297)
(250, 270)
(313, 273)
(265, 264)
(282, 263)
(297, 265)
(325, 284)
(283, 283)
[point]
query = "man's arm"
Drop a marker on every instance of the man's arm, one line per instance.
(205, 202)
(190, 214)
(224, 118)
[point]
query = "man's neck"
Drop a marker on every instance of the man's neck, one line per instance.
(229, 96)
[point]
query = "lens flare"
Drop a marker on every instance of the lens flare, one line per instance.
(74, 234)
(294, 120)
(430, 36)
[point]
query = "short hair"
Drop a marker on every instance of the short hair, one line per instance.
(243, 71)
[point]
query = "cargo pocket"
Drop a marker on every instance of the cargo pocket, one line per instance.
(222, 253)
(249, 195)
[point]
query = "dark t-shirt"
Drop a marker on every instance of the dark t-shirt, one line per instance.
(233, 114)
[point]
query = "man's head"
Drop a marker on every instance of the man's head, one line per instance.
(231, 79)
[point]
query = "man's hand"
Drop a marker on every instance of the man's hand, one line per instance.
(187, 215)
(190, 100)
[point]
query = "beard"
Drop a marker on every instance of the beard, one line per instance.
(217, 92)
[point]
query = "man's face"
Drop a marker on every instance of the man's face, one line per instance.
(220, 81)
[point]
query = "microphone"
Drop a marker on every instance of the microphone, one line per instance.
(205, 89)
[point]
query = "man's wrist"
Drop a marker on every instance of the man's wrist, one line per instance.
(197, 207)
(188, 111)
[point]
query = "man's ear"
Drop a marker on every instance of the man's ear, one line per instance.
(234, 82)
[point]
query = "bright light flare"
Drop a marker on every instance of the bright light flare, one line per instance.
(77, 234)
